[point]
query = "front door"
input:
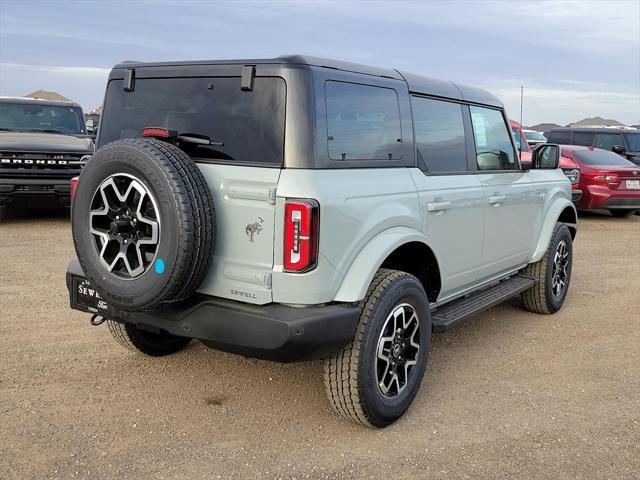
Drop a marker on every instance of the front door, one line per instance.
(511, 198)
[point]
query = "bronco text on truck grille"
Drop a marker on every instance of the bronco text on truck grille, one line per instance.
(43, 144)
(299, 207)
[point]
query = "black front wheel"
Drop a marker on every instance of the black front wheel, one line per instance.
(374, 379)
(552, 274)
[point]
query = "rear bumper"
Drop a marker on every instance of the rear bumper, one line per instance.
(271, 332)
(596, 196)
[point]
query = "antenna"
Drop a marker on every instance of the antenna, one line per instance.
(521, 124)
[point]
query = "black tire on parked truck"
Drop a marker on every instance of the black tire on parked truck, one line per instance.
(143, 224)
(154, 344)
(552, 274)
(394, 331)
(622, 212)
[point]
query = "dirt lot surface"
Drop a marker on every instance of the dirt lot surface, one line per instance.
(507, 395)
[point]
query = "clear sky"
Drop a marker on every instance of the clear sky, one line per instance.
(575, 58)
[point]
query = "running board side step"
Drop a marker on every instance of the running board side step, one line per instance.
(451, 313)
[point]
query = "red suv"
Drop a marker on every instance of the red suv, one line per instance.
(568, 166)
(607, 180)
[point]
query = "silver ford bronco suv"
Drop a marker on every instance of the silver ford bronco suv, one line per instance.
(300, 208)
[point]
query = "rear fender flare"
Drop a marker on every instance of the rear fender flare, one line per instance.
(361, 272)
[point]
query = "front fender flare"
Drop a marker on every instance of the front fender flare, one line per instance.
(553, 214)
(361, 272)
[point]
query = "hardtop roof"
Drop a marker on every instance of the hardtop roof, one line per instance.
(416, 83)
(38, 101)
(596, 129)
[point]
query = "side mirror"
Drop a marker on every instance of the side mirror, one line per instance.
(619, 149)
(546, 156)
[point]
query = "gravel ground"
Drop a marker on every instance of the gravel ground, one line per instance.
(507, 395)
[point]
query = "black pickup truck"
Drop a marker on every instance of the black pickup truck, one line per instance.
(43, 144)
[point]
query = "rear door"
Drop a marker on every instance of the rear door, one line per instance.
(451, 197)
(241, 163)
(512, 200)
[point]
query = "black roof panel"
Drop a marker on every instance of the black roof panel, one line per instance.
(416, 83)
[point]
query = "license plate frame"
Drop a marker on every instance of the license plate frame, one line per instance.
(86, 298)
(632, 184)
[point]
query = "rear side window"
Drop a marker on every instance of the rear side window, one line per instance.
(363, 122)
(244, 126)
(494, 150)
(601, 157)
(585, 139)
(563, 138)
(608, 140)
(439, 131)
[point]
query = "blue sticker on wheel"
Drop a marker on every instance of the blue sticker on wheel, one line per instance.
(159, 266)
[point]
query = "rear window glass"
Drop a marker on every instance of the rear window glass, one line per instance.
(601, 157)
(563, 138)
(246, 126)
(439, 131)
(363, 122)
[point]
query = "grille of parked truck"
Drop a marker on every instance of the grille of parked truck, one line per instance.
(298, 208)
(43, 144)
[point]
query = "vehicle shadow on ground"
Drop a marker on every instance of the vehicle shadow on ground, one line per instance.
(15, 215)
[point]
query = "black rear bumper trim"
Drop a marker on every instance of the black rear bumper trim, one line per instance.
(271, 332)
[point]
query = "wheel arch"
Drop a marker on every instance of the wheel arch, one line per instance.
(397, 249)
(561, 211)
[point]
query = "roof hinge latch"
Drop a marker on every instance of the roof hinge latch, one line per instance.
(129, 79)
(248, 74)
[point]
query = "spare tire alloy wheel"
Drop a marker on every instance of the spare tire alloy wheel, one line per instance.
(143, 224)
(125, 222)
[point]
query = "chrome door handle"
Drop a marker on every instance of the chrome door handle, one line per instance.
(497, 199)
(438, 206)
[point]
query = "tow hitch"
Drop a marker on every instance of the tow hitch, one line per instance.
(96, 320)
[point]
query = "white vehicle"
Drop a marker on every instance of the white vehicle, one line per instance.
(300, 208)
(534, 138)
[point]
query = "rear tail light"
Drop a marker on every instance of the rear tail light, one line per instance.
(74, 186)
(156, 132)
(601, 177)
(573, 175)
(301, 235)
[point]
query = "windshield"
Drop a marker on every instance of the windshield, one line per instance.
(531, 135)
(26, 117)
(633, 141)
(242, 126)
(601, 157)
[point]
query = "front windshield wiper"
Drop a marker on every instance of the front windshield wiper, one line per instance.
(46, 130)
(5, 129)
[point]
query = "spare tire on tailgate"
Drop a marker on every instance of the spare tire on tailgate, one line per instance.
(143, 224)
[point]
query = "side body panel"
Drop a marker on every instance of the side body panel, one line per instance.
(512, 209)
(558, 197)
(356, 205)
(452, 215)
